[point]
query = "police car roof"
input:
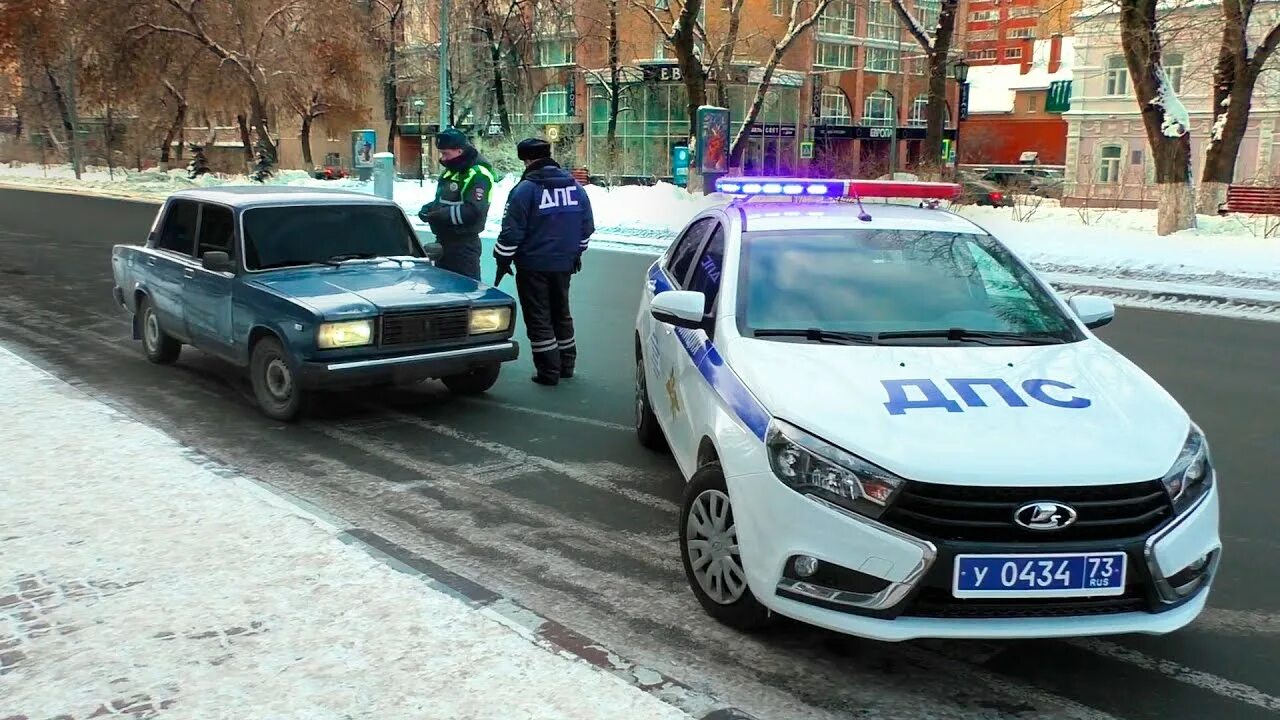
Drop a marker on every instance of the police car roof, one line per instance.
(771, 216)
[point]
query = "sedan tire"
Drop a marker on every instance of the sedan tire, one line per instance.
(275, 385)
(160, 347)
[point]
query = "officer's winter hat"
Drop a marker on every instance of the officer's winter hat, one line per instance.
(533, 149)
(451, 139)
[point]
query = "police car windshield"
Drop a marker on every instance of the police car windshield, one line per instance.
(295, 235)
(872, 281)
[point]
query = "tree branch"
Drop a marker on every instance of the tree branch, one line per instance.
(670, 35)
(271, 19)
(913, 27)
(1265, 50)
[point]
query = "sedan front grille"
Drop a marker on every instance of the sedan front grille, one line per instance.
(424, 327)
(986, 514)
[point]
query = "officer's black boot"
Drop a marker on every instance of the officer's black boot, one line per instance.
(548, 366)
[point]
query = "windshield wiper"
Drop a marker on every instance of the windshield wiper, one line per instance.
(958, 334)
(285, 263)
(825, 336)
(339, 259)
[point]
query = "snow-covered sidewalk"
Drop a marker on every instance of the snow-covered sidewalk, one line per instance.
(136, 581)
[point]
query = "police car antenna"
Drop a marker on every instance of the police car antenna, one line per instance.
(863, 215)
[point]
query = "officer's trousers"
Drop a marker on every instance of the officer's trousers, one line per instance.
(544, 302)
(461, 255)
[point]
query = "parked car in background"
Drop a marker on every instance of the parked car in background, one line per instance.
(308, 289)
(981, 192)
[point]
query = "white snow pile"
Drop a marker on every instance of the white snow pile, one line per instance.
(203, 593)
(1177, 120)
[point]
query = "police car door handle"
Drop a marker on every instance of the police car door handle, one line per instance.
(652, 285)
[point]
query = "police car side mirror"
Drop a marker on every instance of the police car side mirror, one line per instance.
(682, 308)
(1093, 311)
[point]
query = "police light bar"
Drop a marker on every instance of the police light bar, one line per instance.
(853, 188)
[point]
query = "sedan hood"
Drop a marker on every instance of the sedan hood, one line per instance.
(366, 288)
(1098, 419)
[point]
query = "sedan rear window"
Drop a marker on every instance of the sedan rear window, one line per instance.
(311, 234)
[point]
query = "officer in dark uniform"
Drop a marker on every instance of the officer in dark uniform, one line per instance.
(544, 233)
(457, 215)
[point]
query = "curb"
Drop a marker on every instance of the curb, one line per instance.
(1256, 306)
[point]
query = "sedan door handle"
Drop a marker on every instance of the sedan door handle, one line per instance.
(151, 261)
(188, 273)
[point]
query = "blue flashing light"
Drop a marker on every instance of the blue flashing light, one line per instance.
(791, 187)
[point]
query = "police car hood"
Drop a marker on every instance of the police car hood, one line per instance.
(1071, 414)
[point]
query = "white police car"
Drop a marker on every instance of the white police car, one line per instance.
(891, 427)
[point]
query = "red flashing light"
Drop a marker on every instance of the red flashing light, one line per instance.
(901, 189)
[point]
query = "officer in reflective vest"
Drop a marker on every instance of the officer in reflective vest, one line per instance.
(457, 214)
(545, 229)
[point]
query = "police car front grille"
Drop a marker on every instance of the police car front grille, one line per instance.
(423, 327)
(985, 514)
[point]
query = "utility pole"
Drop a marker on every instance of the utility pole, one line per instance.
(71, 110)
(444, 63)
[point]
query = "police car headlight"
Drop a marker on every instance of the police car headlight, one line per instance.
(490, 319)
(1192, 473)
(351, 333)
(814, 467)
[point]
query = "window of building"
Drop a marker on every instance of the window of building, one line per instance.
(919, 115)
(777, 7)
(552, 104)
(987, 54)
(883, 60)
(1117, 76)
(882, 22)
(1033, 104)
(1109, 164)
(555, 52)
(835, 107)
(1013, 53)
(662, 4)
(927, 13)
(877, 110)
(834, 55)
(1173, 70)
(984, 16)
(983, 35)
(840, 18)
(1020, 33)
(1021, 12)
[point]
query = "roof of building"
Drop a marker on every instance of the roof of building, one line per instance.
(258, 195)
(992, 87)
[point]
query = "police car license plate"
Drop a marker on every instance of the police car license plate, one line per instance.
(1048, 576)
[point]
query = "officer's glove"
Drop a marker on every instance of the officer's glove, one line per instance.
(577, 264)
(504, 269)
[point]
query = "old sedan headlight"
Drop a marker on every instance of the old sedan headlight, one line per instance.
(350, 333)
(490, 319)
(814, 467)
(1192, 473)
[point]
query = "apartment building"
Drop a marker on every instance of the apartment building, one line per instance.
(998, 32)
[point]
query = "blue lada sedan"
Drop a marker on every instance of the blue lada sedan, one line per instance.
(308, 289)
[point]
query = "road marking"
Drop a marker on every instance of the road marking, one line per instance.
(1196, 678)
(552, 414)
(520, 456)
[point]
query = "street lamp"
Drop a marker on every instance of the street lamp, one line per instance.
(960, 71)
(419, 105)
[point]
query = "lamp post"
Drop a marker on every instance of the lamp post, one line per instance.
(960, 71)
(419, 105)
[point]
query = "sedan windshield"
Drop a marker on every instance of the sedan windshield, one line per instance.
(900, 286)
(312, 234)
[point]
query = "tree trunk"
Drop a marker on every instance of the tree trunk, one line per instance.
(391, 97)
(59, 100)
(1224, 147)
(937, 51)
(305, 136)
(244, 138)
(179, 119)
(1171, 153)
(615, 89)
(260, 125)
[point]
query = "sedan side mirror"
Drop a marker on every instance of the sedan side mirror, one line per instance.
(216, 261)
(682, 308)
(1093, 311)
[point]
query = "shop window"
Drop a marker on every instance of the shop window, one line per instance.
(877, 110)
(840, 18)
(834, 55)
(552, 105)
(1109, 164)
(1014, 53)
(1117, 76)
(835, 107)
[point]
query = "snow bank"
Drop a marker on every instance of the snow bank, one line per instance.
(136, 579)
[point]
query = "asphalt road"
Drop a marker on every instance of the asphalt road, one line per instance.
(544, 495)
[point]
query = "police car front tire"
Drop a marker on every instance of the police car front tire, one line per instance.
(647, 429)
(709, 550)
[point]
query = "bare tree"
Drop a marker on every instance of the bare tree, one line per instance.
(1165, 118)
(936, 44)
(388, 16)
(1234, 80)
(682, 31)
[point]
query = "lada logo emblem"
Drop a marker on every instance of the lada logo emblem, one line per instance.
(1045, 516)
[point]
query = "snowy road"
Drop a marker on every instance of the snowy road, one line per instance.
(544, 496)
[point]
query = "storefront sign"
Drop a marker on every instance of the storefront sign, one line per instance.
(773, 130)
(964, 101)
(806, 151)
(671, 72)
(859, 132)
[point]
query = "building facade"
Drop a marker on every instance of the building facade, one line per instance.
(1015, 111)
(1108, 158)
(998, 32)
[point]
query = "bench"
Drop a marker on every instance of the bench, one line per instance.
(581, 175)
(1253, 200)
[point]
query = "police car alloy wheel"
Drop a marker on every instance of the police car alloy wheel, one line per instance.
(709, 550)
